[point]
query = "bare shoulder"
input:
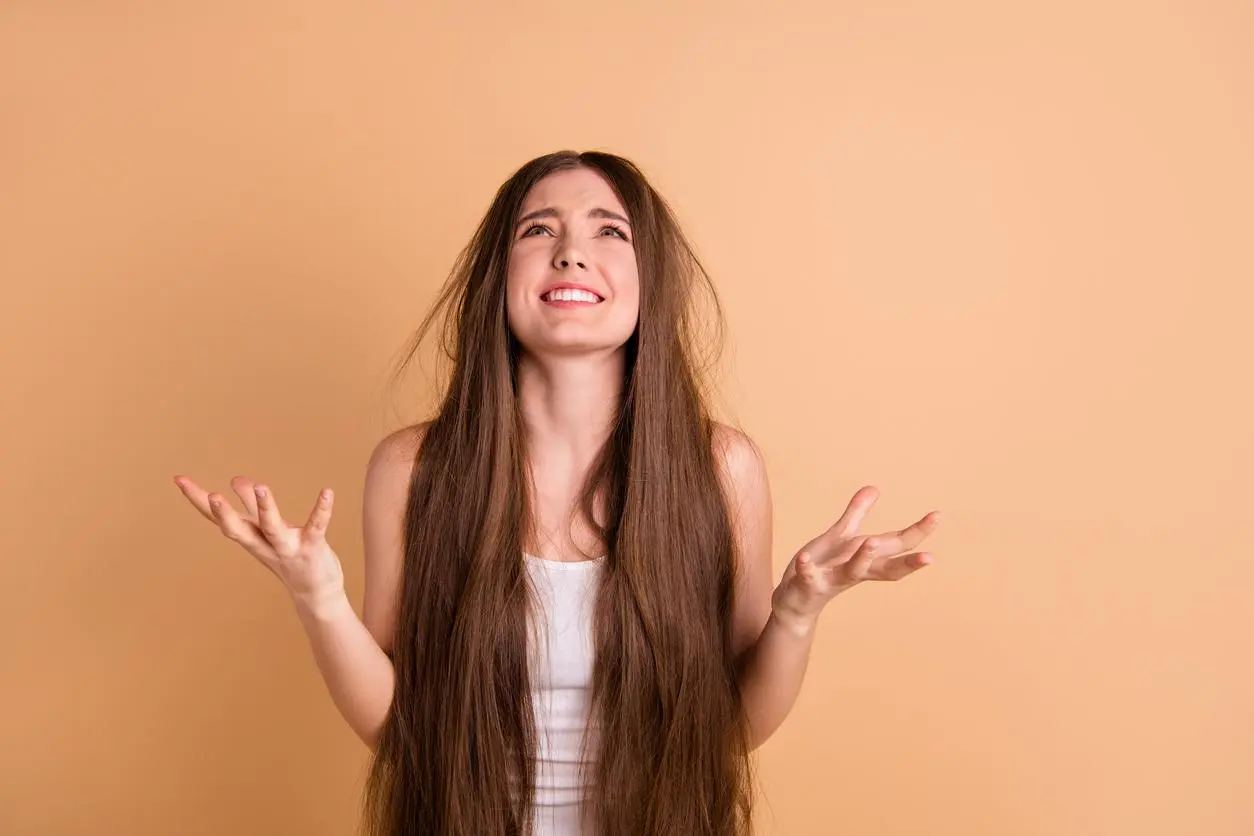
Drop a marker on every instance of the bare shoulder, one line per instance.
(397, 448)
(740, 459)
(742, 471)
(385, 498)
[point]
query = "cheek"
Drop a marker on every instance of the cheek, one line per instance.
(632, 296)
(517, 280)
(515, 273)
(630, 287)
(627, 303)
(625, 274)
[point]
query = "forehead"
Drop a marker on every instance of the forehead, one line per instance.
(573, 189)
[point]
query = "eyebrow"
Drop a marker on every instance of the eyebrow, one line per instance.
(550, 212)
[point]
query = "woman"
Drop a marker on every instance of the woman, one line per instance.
(571, 545)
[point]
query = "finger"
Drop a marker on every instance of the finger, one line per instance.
(807, 566)
(862, 502)
(843, 551)
(896, 568)
(320, 516)
(244, 489)
(855, 569)
(844, 528)
(197, 496)
(909, 537)
(242, 531)
(269, 520)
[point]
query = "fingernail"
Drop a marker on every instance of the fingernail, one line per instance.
(261, 492)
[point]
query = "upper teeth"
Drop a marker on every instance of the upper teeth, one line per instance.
(567, 294)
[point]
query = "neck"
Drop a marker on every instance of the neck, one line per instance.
(568, 405)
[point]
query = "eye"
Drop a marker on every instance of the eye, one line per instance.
(535, 226)
(618, 230)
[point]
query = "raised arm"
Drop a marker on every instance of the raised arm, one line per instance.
(771, 660)
(775, 623)
(349, 651)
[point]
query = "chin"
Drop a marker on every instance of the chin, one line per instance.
(572, 346)
(577, 349)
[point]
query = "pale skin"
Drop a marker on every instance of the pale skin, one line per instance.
(573, 230)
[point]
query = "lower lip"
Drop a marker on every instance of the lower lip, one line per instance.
(567, 303)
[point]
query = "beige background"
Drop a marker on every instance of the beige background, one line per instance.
(994, 258)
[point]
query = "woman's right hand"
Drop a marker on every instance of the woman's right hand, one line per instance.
(299, 557)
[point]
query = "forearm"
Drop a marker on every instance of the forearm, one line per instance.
(358, 674)
(771, 674)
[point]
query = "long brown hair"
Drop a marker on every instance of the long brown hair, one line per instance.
(460, 738)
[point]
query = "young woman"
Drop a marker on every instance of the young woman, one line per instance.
(570, 623)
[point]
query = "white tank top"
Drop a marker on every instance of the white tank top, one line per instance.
(561, 652)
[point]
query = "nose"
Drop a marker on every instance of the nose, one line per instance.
(567, 256)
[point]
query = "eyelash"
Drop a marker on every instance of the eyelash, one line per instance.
(618, 229)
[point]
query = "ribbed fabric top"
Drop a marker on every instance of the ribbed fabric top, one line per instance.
(561, 653)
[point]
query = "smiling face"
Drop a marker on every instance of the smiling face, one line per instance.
(572, 285)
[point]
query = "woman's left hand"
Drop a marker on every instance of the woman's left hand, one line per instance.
(841, 558)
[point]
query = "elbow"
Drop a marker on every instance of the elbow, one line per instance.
(756, 739)
(371, 737)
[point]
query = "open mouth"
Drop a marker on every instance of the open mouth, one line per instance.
(568, 295)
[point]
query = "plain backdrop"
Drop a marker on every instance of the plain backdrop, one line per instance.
(994, 258)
